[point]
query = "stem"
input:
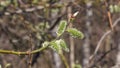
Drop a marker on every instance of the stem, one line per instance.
(64, 60)
(22, 53)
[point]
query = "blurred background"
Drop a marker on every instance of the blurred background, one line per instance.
(26, 24)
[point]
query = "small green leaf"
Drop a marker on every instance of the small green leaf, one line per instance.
(63, 45)
(61, 28)
(75, 33)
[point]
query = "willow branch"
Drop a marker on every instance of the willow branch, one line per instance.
(64, 60)
(22, 53)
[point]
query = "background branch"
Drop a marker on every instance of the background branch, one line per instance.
(102, 38)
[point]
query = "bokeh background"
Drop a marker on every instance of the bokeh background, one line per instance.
(26, 24)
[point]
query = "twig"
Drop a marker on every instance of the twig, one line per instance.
(71, 40)
(109, 16)
(22, 53)
(64, 60)
(102, 38)
(101, 57)
(110, 20)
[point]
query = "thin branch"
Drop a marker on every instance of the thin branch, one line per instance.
(71, 40)
(22, 53)
(110, 20)
(101, 57)
(109, 15)
(102, 38)
(64, 60)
